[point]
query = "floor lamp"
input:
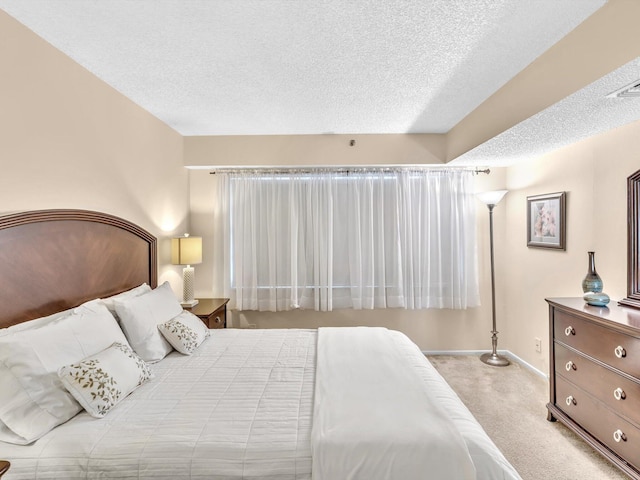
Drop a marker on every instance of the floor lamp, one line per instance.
(491, 199)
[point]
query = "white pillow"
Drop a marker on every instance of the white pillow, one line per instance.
(36, 322)
(140, 316)
(32, 398)
(42, 321)
(120, 297)
(101, 381)
(185, 332)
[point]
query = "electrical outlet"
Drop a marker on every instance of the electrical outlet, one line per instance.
(538, 345)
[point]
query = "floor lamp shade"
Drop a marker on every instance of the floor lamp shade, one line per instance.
(491, 198)
(187, 251)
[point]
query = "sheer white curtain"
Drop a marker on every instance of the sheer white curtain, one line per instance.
(363, 240)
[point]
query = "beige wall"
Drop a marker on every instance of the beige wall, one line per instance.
(67, 140)
(279, 150)
(593, 172)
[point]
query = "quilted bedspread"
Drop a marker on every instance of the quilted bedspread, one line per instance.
(239, 407)
(242, 407)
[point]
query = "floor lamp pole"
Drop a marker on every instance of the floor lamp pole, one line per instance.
(493, 358)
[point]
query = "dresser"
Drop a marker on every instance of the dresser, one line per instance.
(595, 377)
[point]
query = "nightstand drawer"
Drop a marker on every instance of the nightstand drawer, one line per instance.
(218, 319)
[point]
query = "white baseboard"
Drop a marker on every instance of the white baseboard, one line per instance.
(506, 353)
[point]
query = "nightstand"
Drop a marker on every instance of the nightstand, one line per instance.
(212, 311)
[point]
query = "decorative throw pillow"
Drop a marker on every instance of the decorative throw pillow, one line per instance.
(32, 398)
(185, 332)
(101, 381)
(140, 317)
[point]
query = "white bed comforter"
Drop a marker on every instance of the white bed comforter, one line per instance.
(369, 429)
(242, 406)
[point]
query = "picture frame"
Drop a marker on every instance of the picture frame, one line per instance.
(546, 221)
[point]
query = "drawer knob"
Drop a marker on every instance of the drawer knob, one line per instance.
(620, 352)
(218, 320)
(619, 436)
(569, 331)
(570, 366)
(571, 401)
(619, 394)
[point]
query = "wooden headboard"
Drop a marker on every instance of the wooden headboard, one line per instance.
(52, 260)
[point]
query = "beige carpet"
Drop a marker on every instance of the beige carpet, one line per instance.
(509, 402)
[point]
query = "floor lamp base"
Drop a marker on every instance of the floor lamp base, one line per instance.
(494, 360)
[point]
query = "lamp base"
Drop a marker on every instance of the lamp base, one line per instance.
(188, 279)
(494, 360)
(190, 304)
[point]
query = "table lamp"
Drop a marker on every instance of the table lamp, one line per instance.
(187, 251)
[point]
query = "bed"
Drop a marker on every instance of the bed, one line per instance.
(332, 403)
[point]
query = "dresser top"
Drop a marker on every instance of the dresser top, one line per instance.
(614, 313)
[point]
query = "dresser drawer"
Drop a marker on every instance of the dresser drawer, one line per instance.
(620, 436)
(613, 348)
(615, 390)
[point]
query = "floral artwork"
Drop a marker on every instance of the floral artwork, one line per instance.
(546, 221)
(544, 224)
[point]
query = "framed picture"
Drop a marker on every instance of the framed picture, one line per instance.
(546, 221)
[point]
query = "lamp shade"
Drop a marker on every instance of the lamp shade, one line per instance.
(186, 250)
(493, 197)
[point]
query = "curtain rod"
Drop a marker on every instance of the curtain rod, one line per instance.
(344, 170)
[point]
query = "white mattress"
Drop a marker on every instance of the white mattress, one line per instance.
(240, 407)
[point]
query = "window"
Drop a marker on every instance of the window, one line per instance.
(360, 240)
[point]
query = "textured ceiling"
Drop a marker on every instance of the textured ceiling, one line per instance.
(585, 113)
(265, 67)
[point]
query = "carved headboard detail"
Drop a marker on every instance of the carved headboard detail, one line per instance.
(52, 260)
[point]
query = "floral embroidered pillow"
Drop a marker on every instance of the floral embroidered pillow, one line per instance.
(185, 332)
(101, 381)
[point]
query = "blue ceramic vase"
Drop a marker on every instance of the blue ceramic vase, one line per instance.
(592, 281)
